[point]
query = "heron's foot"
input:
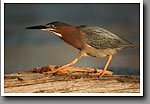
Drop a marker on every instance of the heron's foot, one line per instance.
(54, 71)
(99, 73)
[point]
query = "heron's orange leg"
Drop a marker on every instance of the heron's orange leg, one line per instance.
(106, 66)
(67, 65)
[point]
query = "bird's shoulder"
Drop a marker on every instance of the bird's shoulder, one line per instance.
(97, 31)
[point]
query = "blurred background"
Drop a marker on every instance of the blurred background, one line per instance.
(26, 49)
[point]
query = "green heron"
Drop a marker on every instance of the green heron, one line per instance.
(90, 40)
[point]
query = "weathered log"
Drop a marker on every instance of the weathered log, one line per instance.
(77, 81)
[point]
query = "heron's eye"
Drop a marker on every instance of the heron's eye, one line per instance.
(52, 26)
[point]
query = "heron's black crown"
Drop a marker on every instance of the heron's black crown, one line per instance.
(57, 24)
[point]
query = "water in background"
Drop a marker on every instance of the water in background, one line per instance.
(26, 49)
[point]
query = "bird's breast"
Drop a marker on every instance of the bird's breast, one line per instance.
(72, 36)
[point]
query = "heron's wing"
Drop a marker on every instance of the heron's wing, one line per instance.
(100, 38)
(101, 42)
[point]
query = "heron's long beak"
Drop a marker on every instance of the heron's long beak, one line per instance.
(45, 28)
(41, 27)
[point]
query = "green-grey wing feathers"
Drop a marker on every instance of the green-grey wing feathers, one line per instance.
(100, 38)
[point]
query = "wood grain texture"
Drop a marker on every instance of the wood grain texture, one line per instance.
(78, 81)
